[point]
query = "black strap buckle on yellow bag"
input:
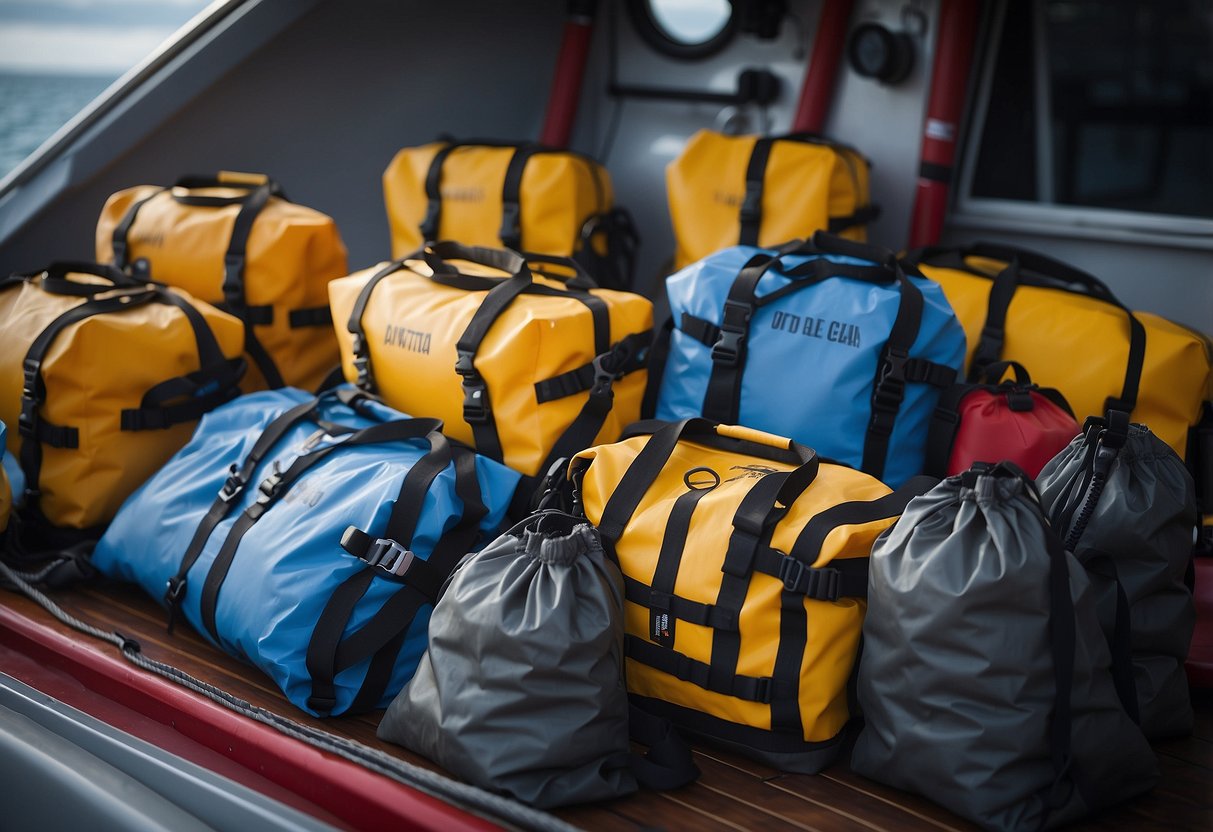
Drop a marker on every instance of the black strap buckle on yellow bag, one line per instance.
(750, 211)
(258, 189)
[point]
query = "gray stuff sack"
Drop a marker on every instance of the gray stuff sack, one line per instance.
(984, 679)
(1124, 504)
(521, 691)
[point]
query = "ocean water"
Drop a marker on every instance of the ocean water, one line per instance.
(32, 107)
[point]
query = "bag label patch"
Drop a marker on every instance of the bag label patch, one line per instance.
(413, 340)
(462, 193)
(661, 628)
(838, 332)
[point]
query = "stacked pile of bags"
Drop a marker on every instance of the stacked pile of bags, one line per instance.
(716, 562)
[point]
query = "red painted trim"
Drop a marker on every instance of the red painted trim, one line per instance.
(354, 794)
(817, 92)
(949, 82)
(566, 83)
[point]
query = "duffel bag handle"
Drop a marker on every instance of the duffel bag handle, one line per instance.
(56, 278)
(650, 462)
(249, 182)
(436, 256)
(992, 373)
(993, 331)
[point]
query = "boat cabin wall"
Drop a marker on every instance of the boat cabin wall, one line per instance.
(321, 94)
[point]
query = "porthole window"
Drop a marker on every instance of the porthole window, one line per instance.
(685, 29)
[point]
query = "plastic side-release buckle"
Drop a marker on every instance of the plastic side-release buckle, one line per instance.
(362, 362)
(390, 556)
(475, 391)
(729, 344)
(232, 487)
(890, 387)
(818, 584)
(269, 487)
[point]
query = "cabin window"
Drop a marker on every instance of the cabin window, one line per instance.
(56, 56)
(1096, 111)
(687, 29)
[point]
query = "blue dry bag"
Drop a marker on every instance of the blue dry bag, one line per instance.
(830, 343)
(310, 536)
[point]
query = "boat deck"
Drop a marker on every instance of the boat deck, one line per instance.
(732, 793)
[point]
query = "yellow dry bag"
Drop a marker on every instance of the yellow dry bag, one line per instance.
(762, 191)
(525, 197)
(1071, 333)
(104, 378)
(525, 367)
(235, 241)
(745, 565)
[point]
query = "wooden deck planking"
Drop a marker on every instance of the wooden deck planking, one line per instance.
(734, 793)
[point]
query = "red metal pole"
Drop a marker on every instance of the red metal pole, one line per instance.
(818, 88)
(570, 69)
(949, 80)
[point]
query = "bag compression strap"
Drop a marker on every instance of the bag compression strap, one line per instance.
(750, 213)
(215, 371)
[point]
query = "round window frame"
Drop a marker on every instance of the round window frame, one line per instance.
(656, 36)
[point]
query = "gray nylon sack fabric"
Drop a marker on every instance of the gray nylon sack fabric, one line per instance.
(521, 689)
(1144, 519)
(957, 680)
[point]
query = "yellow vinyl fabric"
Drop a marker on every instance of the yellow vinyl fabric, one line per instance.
(762, 191)
(1075, 339)
(558, 192)
(115, 393)
(745, 558)
(534, 366)
(182, 236)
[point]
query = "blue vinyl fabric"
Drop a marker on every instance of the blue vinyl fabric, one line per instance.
(289, 563)
(811, 356)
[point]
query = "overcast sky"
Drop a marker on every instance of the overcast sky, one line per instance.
(103, 37)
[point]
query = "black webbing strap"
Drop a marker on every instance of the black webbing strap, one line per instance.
(1121, 642)
(721, 400)
(477, 410)
(121, 236)
(631, 357)
(681, 666)
(659, 354)
(277, 484)
(889, 386)
(31, 426)
(511, 196)
(669, 557)
(945, 422)
(750, 212)
(1062, 639)
(225, 501)
(328, 652)
(749, 215)
(1029, 268)
(56, 280)
(398, 612)
(431, 223)
(648, 464)
(233, 280)
(683, 609)
(844, 577)
(306, 316)
(753, 523)
(214, 383)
